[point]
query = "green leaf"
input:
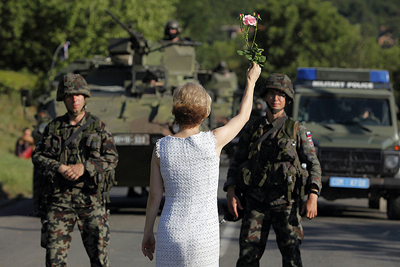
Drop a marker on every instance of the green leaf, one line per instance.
(262, 59)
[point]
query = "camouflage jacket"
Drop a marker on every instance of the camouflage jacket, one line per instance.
(305, 153)
(93, 147)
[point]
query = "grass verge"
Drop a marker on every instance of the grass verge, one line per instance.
(15, 173)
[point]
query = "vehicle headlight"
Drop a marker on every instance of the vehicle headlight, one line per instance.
(391, 161)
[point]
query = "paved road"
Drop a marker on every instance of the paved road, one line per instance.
(346, 233)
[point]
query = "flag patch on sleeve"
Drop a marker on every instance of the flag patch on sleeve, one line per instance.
(309, 137)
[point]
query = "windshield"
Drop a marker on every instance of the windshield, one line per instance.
(342, 110)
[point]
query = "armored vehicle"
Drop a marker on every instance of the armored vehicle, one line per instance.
(132, 93)
(351, 114)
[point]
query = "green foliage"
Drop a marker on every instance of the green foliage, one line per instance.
(303, 33)
(306, 33)
(296, 33)
(254, 54)
(202, 20)
(371, 15)
(12, 81)
(32, 30)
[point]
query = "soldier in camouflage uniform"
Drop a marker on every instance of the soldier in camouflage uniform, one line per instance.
(73, 177)
(267, 183)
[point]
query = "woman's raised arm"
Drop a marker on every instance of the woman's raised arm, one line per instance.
(226, 133)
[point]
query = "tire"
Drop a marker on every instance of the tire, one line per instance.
(393, 207)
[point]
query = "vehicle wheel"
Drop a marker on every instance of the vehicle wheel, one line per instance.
(393, 208)
(373, 203)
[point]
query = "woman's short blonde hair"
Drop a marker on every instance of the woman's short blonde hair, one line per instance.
(191, 105)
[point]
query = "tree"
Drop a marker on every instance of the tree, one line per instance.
(311, 33)
(32, 30)
(305, 33)
(371, 15)
(204, 21)
(294, 33)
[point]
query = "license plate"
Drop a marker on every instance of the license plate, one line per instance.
(132, 140)
(348, 182)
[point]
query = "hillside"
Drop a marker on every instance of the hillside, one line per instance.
(15, 173)
(374, 17)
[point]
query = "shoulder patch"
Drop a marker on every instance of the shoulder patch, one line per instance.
(309, 138)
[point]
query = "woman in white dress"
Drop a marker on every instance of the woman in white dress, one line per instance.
(186, 166)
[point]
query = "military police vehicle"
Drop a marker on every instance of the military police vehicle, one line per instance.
(351, 114)
(131, 91)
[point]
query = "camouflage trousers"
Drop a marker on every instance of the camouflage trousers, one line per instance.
(89, 212)
(257, 220)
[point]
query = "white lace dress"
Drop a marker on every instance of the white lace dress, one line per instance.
(188, 230)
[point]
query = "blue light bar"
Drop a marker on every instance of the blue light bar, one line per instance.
(309, 74)
(343, 74)
(379, 76)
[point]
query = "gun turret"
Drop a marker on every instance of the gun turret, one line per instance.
(139, 43)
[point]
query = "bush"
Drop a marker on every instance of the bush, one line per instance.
(11, 81)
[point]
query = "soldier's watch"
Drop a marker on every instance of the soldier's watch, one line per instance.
(315, 192)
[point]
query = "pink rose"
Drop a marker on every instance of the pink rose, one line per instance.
(249, 20)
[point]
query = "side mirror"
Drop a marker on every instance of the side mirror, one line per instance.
(26, 97)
